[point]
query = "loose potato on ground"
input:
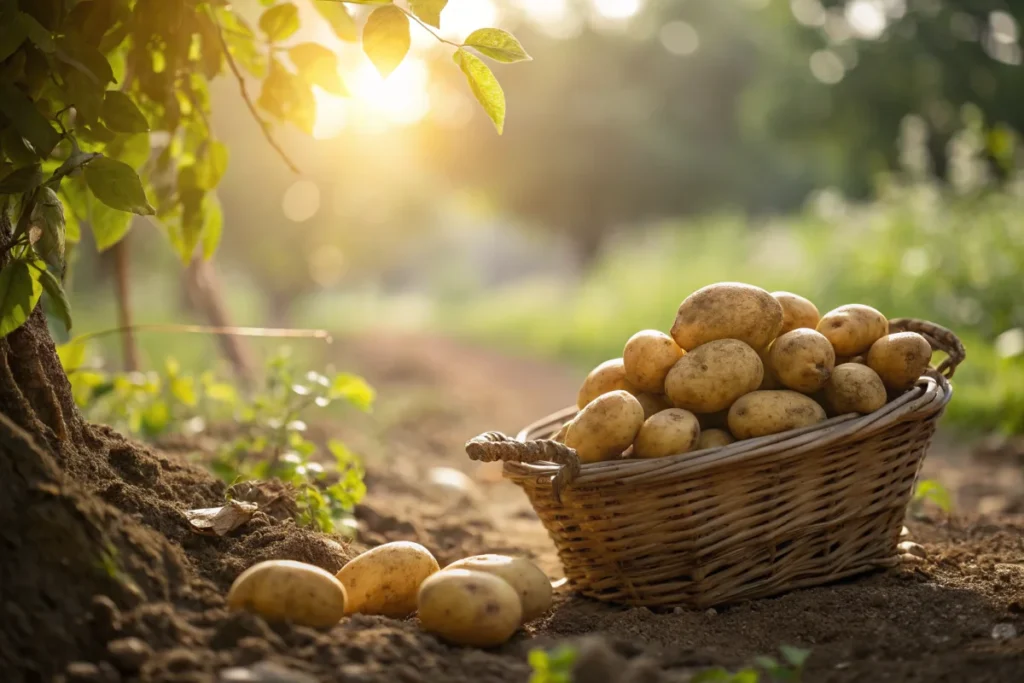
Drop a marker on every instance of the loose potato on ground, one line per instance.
(713, 375)
(283, 590)
(714, 438)
(797, 312)
(647, 358)
(900, 359)
(670, 432)
(769, 412)
(728, 310)
(653, 403)
(608, 376)
(852, 329)
(469, 608)
(802, 360)
(854, 388)
(606, 427)
(531, 584)
(384, 580)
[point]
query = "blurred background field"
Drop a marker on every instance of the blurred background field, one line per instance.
(857, 151)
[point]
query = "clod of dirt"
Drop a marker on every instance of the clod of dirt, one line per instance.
(129, 654)
(264, 672)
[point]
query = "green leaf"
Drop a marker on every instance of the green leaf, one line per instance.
(484, 85)
(499, 45)
(213, 226)
(108, 225)
(428, 10)
(14, 31)
(280, 21)
(317, 66)
(121, 115)
(20, 290)
(353, 389)
(117, 185)
(48, 217)
(211, 165)
(155, 418)
(86, 59)
(242, 43)
(58, 298)
(74, 162)
(27, 120)
(340, 20)
(83, 94)
(386, 38)
(184, 389)
(37, 33)
(288, 98)
(794, 656)
(17, 149)
(932, 490)
(71, 355)
(715, 675)
(22, 180)
(745, 676)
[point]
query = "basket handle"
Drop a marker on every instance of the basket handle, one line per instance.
(495, 446)
(940, 339)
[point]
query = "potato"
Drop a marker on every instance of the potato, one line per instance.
(802, 360)
(717, 420)
(713, 375)
(860, 359)
(797, 312)
(769, 380)
(769, 412)
(653, 403)
(714, 438)
(647, 358)
(605, 427)
(559, 436)
(853, 328)
(728, 310)
(608, 376)
(670, 432)
(854, 388)
(284, 590)
(469, 608)
(531, 584)
(384, 580)
(900, 359)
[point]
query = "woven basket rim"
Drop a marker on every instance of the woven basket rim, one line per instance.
(929, 396)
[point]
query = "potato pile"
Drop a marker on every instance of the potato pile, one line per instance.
(479, 601)
(739, 363)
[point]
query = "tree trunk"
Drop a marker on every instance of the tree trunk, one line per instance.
(60, 546)
(125, 319)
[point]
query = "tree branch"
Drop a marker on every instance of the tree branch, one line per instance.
(264, 126)
(427, 27)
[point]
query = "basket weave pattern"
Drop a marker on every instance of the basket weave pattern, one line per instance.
(752, 519)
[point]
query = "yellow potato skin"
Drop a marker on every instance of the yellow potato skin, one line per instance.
(714, 438)
(608, 376)
(760, 413)
(385, 580)
(284, 590)
(530, 583)
(467, 607)
(768, 380)
(653, 403)
(606, 427)
(900, 359)
(670, 432)
(647, 358)
(727, 310)
(797, 312)
(713, 375)
(853, 328)
(802, 360)
(854, 388)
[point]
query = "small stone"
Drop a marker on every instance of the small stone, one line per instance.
(904, 532)
(109, 673)
(264, 672)
(83, 672)
(129, 654)
(678, 610)
(908, 559)
(711, 612)
(912, 548)
(1004, 632)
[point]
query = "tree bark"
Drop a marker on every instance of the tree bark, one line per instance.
(125, 319)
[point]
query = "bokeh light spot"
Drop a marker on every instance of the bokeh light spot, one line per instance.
(301, 201)
(827, 67)
(679, 38)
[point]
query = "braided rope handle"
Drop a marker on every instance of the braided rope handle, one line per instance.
(940, 339)
(495, 446)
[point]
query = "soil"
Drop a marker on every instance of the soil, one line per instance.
(927, 622)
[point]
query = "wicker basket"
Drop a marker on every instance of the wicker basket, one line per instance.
(748, 520)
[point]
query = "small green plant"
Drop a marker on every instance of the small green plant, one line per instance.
(554, 666)
(930, 490)
(789, 670)
(272, 441)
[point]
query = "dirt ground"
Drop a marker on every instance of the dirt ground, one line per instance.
(930, 622)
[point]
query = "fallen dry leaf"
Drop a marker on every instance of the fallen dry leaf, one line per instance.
(221, 520)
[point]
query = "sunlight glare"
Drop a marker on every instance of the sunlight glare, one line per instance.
(617, 9)
(553, 17)
(462, 17)
(375, 103)
(866, 18)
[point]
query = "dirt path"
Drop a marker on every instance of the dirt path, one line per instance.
(933, 622)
